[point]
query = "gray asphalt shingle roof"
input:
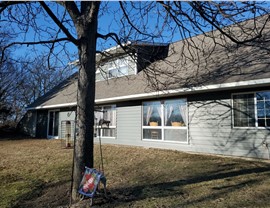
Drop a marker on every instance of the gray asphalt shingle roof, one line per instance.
(184, 67)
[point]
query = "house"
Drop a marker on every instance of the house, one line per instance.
(214, 98)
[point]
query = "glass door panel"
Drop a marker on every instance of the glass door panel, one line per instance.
(53, 124)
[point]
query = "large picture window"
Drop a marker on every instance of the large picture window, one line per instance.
(251, 109)
(165, 120)
(105, 113)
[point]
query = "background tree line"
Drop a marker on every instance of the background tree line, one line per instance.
(23, 80)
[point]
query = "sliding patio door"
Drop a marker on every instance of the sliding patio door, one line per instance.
(53, 124)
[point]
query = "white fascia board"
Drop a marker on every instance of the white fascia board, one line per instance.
(53, 106)
(181, 91)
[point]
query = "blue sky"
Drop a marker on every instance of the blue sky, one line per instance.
(109, 20)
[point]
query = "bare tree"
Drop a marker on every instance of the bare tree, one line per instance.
(39, 78)
(77, 22)
(24, 80)
(8, 78)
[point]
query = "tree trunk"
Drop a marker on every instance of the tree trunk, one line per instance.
(84, 143)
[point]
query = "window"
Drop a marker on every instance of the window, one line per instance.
(99, 76)
(118, 67)
(244, 110)
(118, 72)
(107, 113)
(263, 108)
(165, 120)
(251, 109)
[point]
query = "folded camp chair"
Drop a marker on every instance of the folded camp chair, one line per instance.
(90, 182)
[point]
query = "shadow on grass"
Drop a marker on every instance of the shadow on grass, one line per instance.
(12, 134)
(128, 195)
(45, 195)
(57, 194)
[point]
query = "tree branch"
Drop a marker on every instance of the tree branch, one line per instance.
(31, 43)
(5, 4)
(198, 8)
(127, 17)
(59, 24)
(72, 9)
(114, 36)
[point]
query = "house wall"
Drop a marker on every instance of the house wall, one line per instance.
(41, 123)
(129, 129)
(129, 125)
(211, 130)
(35, 122)
(27, 124)
(210, 127)
(65, 115)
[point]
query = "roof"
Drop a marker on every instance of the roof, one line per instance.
(63, 94)
(215, 64)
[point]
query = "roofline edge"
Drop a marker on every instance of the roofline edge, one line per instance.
(53, 106)
(180, 91)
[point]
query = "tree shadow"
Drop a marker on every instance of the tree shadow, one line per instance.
(12, 134)
(45, 195)
(211, 120)
(127, 195)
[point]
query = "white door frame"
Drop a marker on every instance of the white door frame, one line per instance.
(53, 125)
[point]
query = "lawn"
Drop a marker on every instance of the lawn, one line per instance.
(36, 173)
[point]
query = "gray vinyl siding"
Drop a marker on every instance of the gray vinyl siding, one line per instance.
(66, 116)
(211, 131)
(210, 128)
(129, 124)
(209, 125)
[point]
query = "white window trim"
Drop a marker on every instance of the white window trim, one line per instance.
(255, 111)
(163, 127)
(48, 120)
(110, 127)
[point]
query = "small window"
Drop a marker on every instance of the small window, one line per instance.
(118, 72)
(107, 113)
(244, 112)
(251, 109)
(263, 108)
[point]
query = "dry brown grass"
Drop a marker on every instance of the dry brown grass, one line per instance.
(30, 166)
(36, 173)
